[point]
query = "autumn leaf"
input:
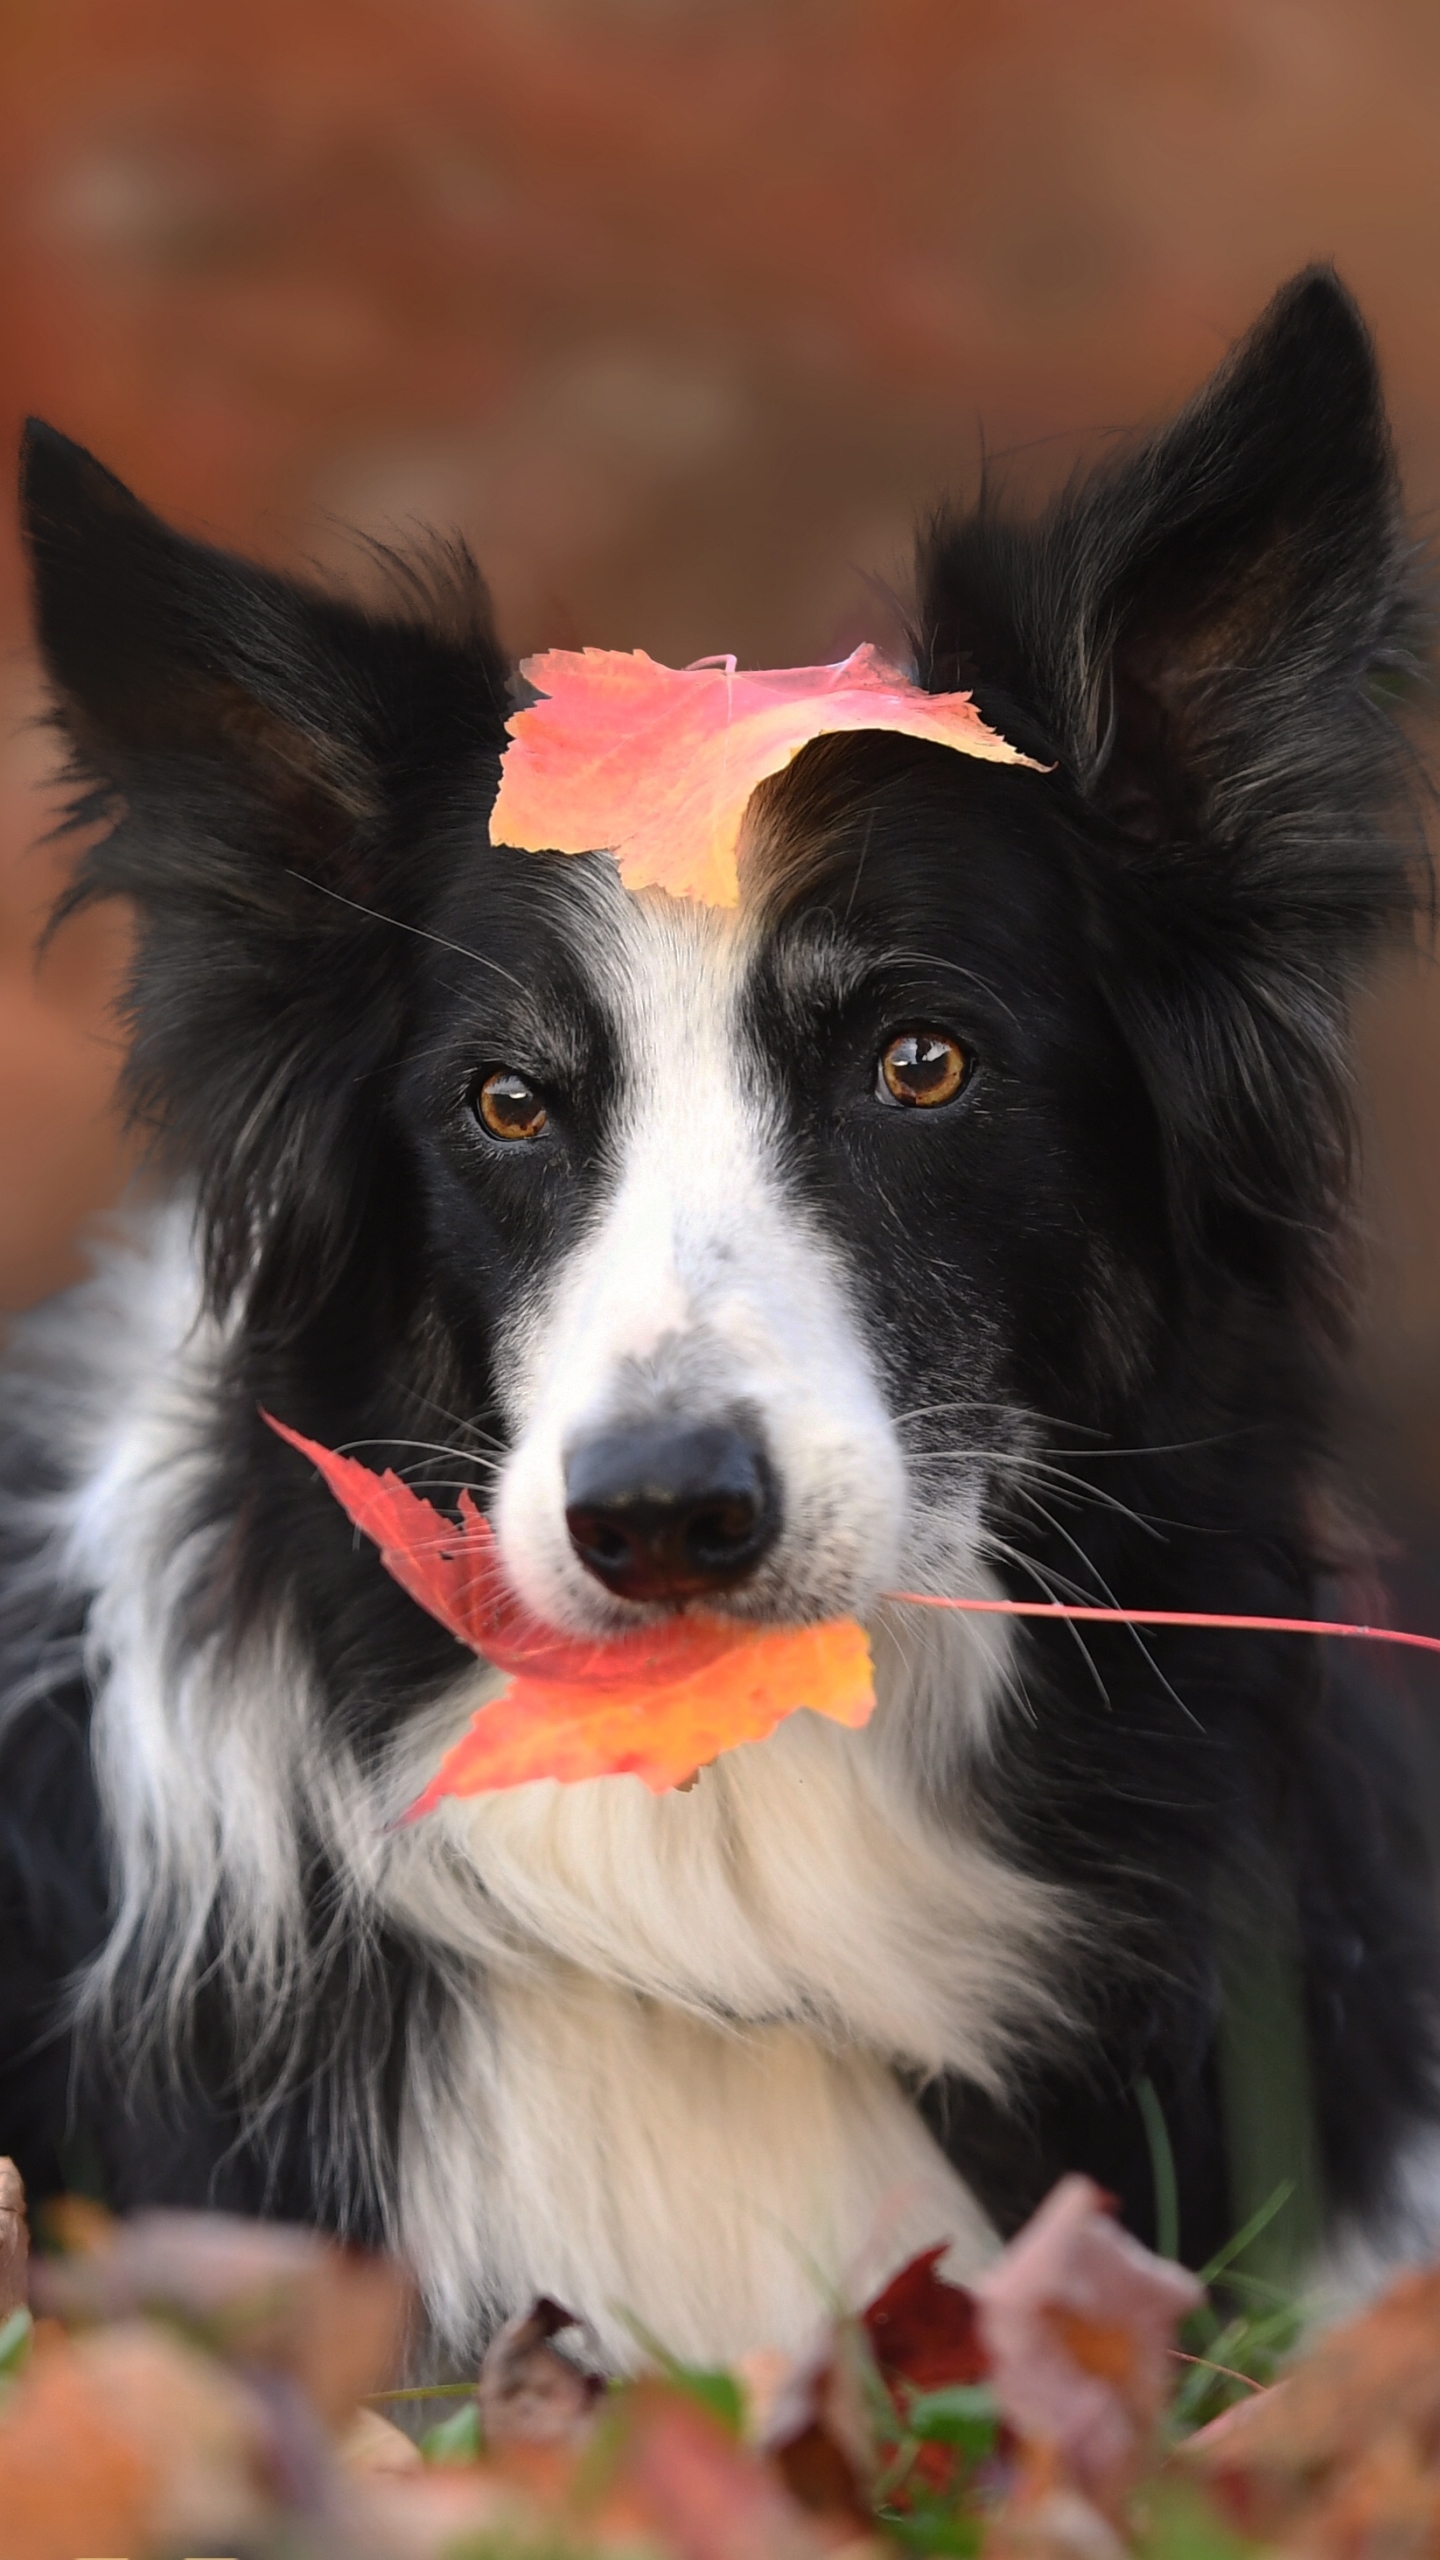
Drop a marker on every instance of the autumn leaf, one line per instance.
(663, 1730)
(657, 1703)
(14, 2240)
(657, 764)
(530, 2391)
(923, 2331)
(456, 1574)
(274, 2297)
(1077, 2320)
(130, 2440)
(679, 2476)
(1335, 2456)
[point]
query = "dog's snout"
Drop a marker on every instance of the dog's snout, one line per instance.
(670, 1510)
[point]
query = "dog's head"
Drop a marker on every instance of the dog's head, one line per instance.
(759, 1250)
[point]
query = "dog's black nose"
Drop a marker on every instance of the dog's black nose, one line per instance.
(671, 1510)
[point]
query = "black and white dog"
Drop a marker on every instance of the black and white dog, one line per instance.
(965, 1211)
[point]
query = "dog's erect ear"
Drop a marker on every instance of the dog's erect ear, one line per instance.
(1182, 618)
(265, 759)
(171, 659)
(1209, 636)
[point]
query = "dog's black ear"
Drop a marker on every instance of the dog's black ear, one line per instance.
(1209, 636)
(1185, 623)
(262, 761)
(177, 663)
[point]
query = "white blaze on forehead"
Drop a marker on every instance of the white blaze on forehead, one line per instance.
(703, 1289)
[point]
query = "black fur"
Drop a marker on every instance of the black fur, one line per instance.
(1135, 1229)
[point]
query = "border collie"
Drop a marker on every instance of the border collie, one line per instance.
(963, 1212)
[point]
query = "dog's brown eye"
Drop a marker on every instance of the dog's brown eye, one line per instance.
(923, 1067)
(509, 1107)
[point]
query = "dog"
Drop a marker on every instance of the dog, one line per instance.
(964, 1213)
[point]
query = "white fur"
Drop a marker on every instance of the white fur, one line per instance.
(698, 2000)
(702, 1288)
(723, 2186)
(664, 2077)
(1359, 2260)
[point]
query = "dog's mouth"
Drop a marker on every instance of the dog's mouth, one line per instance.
(657, 1704)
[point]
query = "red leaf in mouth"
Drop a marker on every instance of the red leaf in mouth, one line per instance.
(656, 1703)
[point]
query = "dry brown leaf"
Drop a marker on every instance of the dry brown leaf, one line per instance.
(691, 2486)
(1077, 2321)
(923, 2330)
(125, 2440)
(1058, 2524)
(334, 2320)
(819, 2424)
(1386, 2507)
(432, 2513)
(818, 2430)
(529, 2391)
(1302, 2453)
(374, 2445)
(14, 2241)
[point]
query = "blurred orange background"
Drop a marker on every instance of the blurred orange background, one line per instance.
(682, 312)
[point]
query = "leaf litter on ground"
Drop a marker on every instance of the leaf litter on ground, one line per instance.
(184, 2383)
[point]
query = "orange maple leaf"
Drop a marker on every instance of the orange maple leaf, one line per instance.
(656, 1704)
(657, 764)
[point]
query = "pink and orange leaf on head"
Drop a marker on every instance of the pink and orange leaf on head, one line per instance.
(657, 764)
(656, 1703)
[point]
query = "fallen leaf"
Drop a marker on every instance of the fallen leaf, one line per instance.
(820, 2476)
(1051, 2521)
(652, 2473)
(832, 2433)
(1335, 2430)
(332, 2320)
(657, 1703)
(657, 764)
(836, 2417)
(129, 2440)
(1387, 2504)
(923, 2331)
(438, 2513)
(702, 2495)
(924, 2335)
(372, 2446)
(1077, 2320)
(14, 2241)
(529, 2391)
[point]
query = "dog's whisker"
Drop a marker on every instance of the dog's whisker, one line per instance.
(399, 1440)
(1109, 1600)
(401, 925)
(1020, 1466)
(1055, 1587)
(463, 1423)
